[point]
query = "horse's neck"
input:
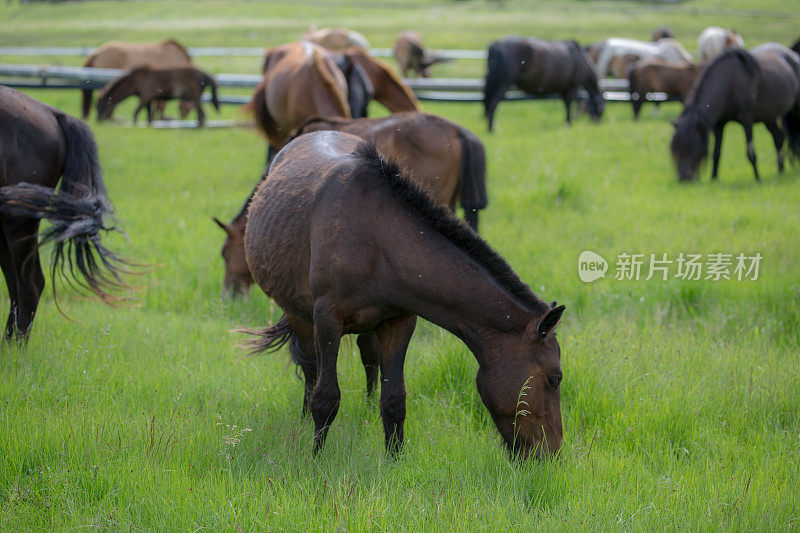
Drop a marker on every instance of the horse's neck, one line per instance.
(458, 294)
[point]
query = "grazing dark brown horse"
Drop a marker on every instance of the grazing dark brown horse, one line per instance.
(540, 68)
(114, 54)
(301, 81)
(313, 245)
(656, 75)
(445, 157)
(38, 146)
(747, 87)
(154, 85)
(411, 55)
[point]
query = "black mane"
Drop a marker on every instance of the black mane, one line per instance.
(743, 56)
(405, 187)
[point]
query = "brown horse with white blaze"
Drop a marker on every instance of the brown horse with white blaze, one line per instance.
(40, 145)
(313, 245)
(445, 157)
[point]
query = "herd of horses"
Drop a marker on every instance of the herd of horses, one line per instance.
(306, 234)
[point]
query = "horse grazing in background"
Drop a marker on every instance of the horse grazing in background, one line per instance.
(655, 75)
(114, 54)
(345, 243)
(336, 39)
(747, 87)
(411, 55)
(540, 67)
(38, 146)
(157, 85)
(445, 157)
(662, 32)
(666, 49)
(715, 40)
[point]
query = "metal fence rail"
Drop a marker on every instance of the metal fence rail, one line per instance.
(429, 89)
(212, 51)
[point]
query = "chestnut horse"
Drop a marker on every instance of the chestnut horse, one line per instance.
(38, 146)
(157, 85)
(114, 54)
(656, 75)
(314, 247)
(445, 157)
(336, 39)
(747, 87)
(540, 67)
(302, 81)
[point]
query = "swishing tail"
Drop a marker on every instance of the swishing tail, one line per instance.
(268, 339)
(472, 181)
(211, 82)
(78, 212)
(498, 78)
(791, 123)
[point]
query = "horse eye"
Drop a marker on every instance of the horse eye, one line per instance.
(554, 381)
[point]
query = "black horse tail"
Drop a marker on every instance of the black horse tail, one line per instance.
(791, 123)
(472, 181)
(78, 213)
(268, 339)
(498, 77)
(211, 82)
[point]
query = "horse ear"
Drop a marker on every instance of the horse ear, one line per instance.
(223, 225)
(538, 329)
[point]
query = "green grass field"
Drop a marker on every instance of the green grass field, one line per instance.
(681, 399)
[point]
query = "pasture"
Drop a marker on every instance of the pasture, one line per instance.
(680, 400)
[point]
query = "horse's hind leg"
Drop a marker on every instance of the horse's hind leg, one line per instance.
(304, 356)
(370, 357)
(324, 402)
(751, 150)
(22, 238)
(393, 338)
(777, 138)
(568, 97)
(10, 274)
(201, 116)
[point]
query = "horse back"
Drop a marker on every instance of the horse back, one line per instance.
(778, 86)
(32, 145)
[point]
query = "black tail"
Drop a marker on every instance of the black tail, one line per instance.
(791, 124)
(268, 339)
(472, 181)
(78, 213)
(211, 82)
(498, 78)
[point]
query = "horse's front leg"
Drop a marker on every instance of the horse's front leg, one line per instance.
(325, 400)
(393, 338)
(751, 149)
(717, 149)
(138, 110)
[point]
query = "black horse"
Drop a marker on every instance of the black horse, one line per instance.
(747, 87)
(38, 146)
(540, 68)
